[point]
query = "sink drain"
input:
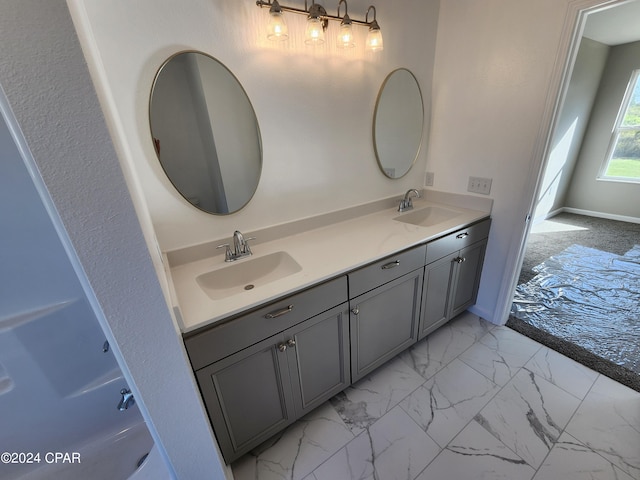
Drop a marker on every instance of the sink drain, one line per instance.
(249, 287)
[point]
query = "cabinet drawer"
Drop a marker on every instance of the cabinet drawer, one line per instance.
(457, 240)
(231, 336)
(390, 268)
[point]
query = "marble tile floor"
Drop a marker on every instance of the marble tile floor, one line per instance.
(471, 401)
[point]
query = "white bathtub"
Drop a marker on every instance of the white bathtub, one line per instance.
(59, 383)
(59, 393)
(128, 455)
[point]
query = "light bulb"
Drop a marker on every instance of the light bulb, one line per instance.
(277, 28)
(374, 38)
(345, 34)
(314, 34)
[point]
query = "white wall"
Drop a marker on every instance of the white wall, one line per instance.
(492, 83)
(586, 191)
(314, 106)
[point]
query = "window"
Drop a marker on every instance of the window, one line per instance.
(622, 162)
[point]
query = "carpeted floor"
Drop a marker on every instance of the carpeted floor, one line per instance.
(556, 234)
(552, 237)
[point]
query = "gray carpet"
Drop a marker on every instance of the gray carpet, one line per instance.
(608, 235)
(551, 238)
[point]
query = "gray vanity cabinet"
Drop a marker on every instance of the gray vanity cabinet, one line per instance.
(452, 275)
(466, 280)
(261, 370)
(384, 320)
(435, 294)
(248, 396)
(259, 389)
(318, 358)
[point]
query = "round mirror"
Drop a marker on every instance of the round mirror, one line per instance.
(398, 123)
(205, 133)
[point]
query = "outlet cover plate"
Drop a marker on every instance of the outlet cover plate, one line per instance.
(479, 185)
(428, 179)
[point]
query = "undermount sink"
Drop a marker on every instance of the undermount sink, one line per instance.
(427, 216)
(247, 274)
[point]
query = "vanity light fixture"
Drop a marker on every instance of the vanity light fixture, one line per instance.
(318, 21)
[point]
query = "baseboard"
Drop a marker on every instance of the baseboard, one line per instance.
(548, 215)
(608, 216)
(485, 314)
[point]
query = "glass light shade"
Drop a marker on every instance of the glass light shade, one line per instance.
(277, 28)
(314, 34)
(374, 40)
(345, 36)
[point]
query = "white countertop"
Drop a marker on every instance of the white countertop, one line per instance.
(323, 253)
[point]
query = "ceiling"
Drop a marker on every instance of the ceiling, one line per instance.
(615, 25)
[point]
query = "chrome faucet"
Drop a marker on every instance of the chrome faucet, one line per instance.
(240, 247)
(127, 400)
(406, 203)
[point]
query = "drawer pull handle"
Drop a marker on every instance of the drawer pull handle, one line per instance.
(462, 235)
(279, 313)
(291, 343)
(389, 265)
(282, 347)
(460, 259)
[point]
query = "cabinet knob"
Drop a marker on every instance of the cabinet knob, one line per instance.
(291, 343)
(355, 310)
(282, 347)
(460, 259)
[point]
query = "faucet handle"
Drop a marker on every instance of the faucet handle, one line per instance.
(247, 250)
(228, 254)
(127, 399)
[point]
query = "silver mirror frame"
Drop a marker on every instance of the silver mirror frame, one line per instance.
(257, 126)
(375, 117)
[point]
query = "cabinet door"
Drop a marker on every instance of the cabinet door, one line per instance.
(467, 277)
(384, 322)
(248, 396)
(435, 295)
(318, 356)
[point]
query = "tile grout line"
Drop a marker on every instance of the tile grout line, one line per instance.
(500, 389)
(442, 449)
(397, 404)
(564, 430)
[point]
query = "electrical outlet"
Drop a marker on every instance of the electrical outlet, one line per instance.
(428, 179)
(479, 185)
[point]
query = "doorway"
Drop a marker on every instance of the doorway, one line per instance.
(562, 215)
